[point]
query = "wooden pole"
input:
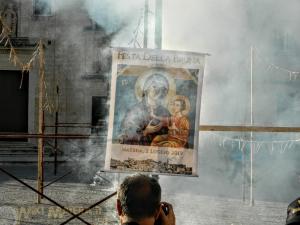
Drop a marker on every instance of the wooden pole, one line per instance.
(249, 129)
(47, 136)
(55, 143)
(158, 39)
(201, 128)
(56, 130)
(244, 175)
(43, 154)
(40, 119)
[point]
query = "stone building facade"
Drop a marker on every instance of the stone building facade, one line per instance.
(77, 67)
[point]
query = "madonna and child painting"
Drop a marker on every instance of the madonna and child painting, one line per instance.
(154, 111)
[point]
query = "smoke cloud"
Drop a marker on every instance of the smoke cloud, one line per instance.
(227, 30)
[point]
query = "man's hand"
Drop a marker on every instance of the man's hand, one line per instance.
(168, 219)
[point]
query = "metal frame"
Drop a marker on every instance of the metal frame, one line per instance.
(43, 195)
(55, 136)
(77, 216)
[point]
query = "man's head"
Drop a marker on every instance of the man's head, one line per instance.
(139, 197)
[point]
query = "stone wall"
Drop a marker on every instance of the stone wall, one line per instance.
(75, 49)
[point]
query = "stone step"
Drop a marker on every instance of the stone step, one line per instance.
(16, 143)
(27, 159)
(7, 144)
(23, 146)
(27, 152)
(3, 150)
(13, 152)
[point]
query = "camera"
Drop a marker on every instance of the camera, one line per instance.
(165, 208)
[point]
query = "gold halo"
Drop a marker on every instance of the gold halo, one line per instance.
(141, 81)
(183, 98)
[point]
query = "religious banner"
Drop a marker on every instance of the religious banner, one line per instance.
(154, 111)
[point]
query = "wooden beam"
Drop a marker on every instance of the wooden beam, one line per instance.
(41, 90)
(248, 128)
(46, 136)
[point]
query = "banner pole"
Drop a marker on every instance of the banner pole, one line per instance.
(244, 176)
(251, 134)
(146, 11)
(158, 24)
(158, 39)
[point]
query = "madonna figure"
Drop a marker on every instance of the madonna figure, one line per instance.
(138, 126)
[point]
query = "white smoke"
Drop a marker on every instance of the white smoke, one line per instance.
(226, 29)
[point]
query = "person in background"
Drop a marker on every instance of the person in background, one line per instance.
(139, 202)
(293, 213)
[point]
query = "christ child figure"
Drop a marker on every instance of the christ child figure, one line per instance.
(178, 124)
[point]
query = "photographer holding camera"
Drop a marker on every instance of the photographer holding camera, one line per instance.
(139, 202)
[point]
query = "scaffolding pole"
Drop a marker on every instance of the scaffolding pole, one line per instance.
(251, 134)
(56, 130)
(40, 119)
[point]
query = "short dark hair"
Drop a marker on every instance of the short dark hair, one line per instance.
(139, 196)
